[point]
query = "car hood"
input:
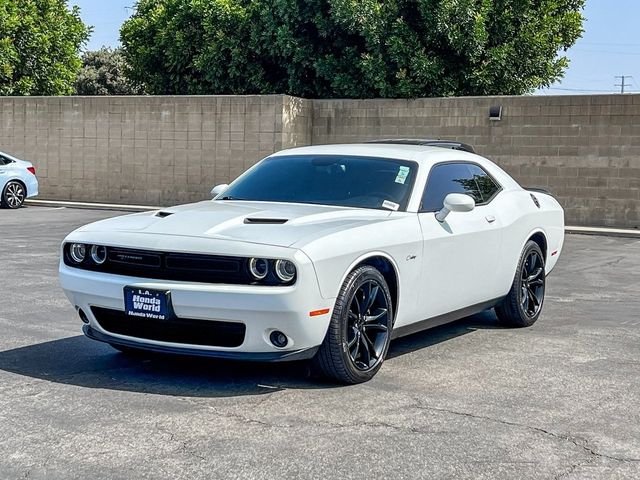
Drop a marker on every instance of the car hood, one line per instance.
(278, 224)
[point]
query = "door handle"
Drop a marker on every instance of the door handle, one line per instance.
(490, 218)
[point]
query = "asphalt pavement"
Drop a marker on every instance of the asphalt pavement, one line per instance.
(467, 400)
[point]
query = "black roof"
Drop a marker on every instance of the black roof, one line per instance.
(427, 143)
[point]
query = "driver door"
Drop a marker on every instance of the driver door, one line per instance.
(461, 254)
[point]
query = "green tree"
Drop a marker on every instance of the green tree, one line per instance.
(351, 48)
(40, 42)
(104, 73)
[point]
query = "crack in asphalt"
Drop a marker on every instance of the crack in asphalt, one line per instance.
(573, 467)
(577, 441)
(581, 443)
(184, 444)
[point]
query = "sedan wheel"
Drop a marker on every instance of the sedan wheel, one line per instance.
(523, 304)
(13, 195)
(360, 330)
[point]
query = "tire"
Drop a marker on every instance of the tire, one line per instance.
(13, 195)
(356, 344)
(523, 303)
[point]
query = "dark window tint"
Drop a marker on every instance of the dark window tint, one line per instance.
(457, 178)
(485, 184)
(347, 181)
(5, 161)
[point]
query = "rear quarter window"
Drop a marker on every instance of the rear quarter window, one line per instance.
(457, 177)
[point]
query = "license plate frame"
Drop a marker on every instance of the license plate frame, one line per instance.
(147, 303)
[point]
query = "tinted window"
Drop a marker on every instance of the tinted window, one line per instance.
(5, 161)
(457, 178)
(348, 181)
(484, 183)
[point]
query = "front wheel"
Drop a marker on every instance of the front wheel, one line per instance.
(13, 195)
(359, 333)
(523, 304)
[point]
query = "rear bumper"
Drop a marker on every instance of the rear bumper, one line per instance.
(32, 186)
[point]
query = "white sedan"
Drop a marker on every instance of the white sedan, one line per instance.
(323, 253)
(17, 181)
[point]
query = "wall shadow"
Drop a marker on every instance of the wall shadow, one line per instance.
(86, 363)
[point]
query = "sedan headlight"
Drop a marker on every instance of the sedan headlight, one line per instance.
(285, 270)
(78, 252)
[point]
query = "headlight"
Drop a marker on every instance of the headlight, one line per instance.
(99, 254)
(285, 270)
(77, 252)
(259, 268)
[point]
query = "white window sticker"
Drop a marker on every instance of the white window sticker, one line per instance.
(403, 173)
(390, 205)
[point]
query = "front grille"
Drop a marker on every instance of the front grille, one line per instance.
(181, 267)
(176, 330)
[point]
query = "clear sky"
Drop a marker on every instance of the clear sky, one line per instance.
(105, 16)
(610, 45)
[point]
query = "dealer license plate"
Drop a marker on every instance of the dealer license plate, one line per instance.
(147, 303)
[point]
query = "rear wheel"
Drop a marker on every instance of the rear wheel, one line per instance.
(13, 195)
(523, 304)
(358, 338)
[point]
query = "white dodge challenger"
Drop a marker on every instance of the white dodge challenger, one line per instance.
(323, 253)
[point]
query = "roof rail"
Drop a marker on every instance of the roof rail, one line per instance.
(427, 143)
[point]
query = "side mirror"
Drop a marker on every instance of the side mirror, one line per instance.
(455, 202)
(218, 189)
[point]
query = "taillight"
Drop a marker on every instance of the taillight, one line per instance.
(32, 169)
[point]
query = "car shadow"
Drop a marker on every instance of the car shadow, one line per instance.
(86, 363)
(481, 321)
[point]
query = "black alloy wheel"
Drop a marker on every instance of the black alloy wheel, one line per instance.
(367, 325)
(532, 289)
(359, 332)
(523, 304)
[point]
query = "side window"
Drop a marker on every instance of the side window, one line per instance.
(485, 184)
(3, 161)
(464, 178)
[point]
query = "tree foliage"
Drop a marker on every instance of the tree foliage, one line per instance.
(104, 73)
(350, 48)
(40, 42)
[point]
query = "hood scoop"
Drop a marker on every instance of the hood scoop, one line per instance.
(163, 214)
(265, 221)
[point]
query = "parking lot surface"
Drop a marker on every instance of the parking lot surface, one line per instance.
(467, 400)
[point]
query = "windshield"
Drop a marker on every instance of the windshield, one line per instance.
(345, 181)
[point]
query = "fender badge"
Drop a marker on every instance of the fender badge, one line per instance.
(411, 257)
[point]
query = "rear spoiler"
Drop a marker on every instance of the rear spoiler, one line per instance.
(539, 190)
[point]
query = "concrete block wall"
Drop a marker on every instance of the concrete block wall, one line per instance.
(586, 149)
(168, 150)
(145, 150)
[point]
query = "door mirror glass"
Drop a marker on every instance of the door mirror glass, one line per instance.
(218, 189)
(455, 202)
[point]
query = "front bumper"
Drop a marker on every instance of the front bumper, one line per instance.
(262, 309)
(280, 356)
